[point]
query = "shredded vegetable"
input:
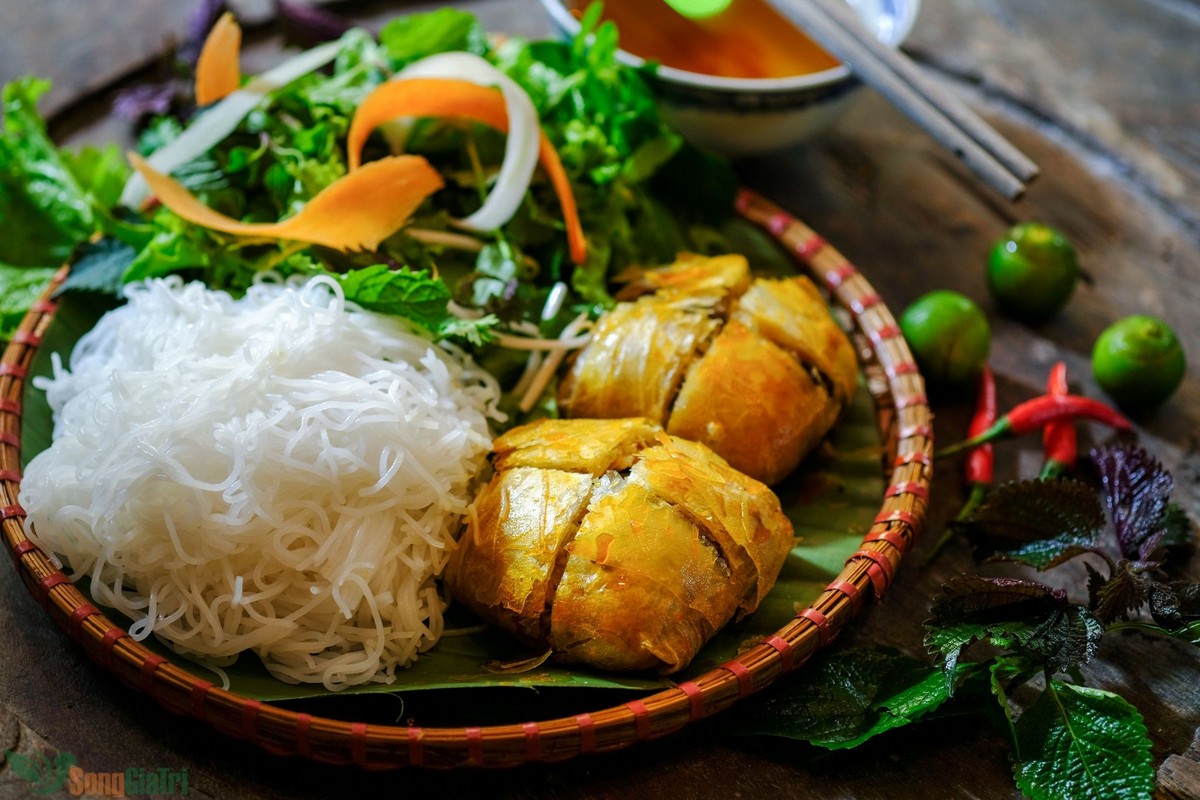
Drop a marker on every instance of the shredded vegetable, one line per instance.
(217, 71)
(444, 97)
(356, 212)
(521, 147)
(223, 117)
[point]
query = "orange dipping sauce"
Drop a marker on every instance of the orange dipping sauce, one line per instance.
(747, 40)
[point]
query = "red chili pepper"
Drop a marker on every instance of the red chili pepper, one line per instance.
(981, 460)
(1058, 438)
(1035, 414)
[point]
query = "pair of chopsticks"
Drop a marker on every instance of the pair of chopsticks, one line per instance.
(836, 27)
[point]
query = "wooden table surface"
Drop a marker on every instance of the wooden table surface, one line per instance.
(1102, 93)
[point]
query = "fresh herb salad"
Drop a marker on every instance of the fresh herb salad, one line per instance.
(641, 194)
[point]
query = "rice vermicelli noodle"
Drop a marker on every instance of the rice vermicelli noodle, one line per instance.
(278, 473)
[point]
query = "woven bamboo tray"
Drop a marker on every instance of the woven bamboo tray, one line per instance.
(905, 426)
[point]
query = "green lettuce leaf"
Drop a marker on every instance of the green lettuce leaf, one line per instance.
(40, 197)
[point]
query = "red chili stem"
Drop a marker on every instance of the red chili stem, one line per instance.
(1033, 415)
(978, 494)
(1058, 438)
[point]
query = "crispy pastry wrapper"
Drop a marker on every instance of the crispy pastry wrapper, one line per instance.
(626, 562)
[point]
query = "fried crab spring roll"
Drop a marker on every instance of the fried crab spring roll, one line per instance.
(616, 545)
(756, 369)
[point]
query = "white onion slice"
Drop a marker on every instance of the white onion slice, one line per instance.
(223, 117)
(521, 147)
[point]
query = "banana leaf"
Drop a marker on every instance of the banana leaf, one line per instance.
(831, 500)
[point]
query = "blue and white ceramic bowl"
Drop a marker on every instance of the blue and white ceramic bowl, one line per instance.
(745, 116)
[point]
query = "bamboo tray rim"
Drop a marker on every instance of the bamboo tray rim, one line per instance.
(906, 429)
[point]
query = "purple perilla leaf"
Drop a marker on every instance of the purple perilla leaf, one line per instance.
(1136, 491)
(308, 25)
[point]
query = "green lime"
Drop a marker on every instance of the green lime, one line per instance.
(1139, 362)
(1032, 272)
(949, 337)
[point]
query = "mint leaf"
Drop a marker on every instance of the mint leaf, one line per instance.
(1038, 523)
(1077, 742)
(413, 37)
(847, 698)
(1136, 491)
(1012, 614)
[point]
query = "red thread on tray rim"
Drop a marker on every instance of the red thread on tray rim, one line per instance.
(10, 511)
(786, 650)
(808, 248)
(15, 370)
(303, 723)
(358, 743)
(250, 709)
(913, 431)
(744, 679)
(915, 457)
(11, 475)
(149, 667)
(26, 338)
(895, 538)
(909, 487)
(896, 515)
(108, 642)
(10, 439)
(416, 746)
(695, 699)
(641, 718)
(199, 695)
(533, 741)
(779, 222)
(879, 570)
(849, 590)
(835, 277)
(75, 620)
(824, 633)
(474, 737)
(10, 407)
(587, 732)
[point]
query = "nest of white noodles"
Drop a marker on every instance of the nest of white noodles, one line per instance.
(279, 474)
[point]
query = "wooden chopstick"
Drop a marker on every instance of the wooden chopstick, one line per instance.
(946, 119)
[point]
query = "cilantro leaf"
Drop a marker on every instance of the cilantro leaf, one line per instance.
(1013, 614)
(1136, 491)
(1038, 523)
(1081, 742)
(847, 698)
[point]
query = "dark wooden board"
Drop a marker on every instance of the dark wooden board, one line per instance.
(1102, 93)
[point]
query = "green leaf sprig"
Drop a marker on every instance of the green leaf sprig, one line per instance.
(1071, 741)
